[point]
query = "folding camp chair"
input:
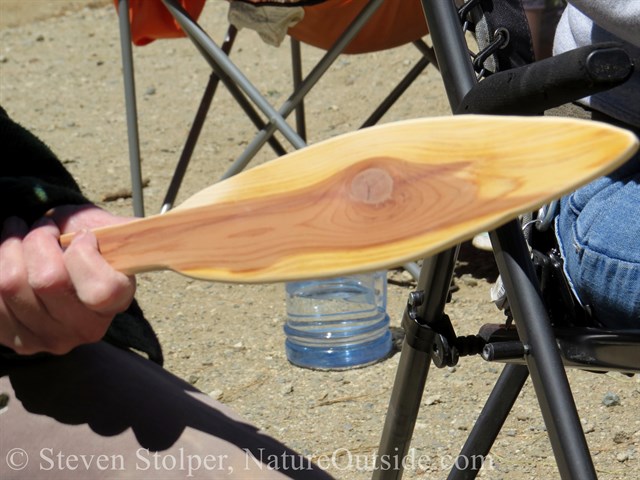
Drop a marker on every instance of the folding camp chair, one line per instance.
(338, 26)
(550, 332)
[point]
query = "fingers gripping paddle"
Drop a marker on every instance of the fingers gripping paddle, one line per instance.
(371, 199)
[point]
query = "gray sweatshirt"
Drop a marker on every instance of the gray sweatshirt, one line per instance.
(593, 21)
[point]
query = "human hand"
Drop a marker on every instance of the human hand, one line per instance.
(53, 300)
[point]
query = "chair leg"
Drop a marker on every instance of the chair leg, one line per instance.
(408, 387)
(131, 109)
(428, 58)
(397, 92)
(543, 358)
(296, 67)
(427, 51)
(449, 43)
(424, 311)
(489, 423)
(190, 144)
(198, 123)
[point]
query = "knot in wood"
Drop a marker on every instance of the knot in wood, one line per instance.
(371, 186)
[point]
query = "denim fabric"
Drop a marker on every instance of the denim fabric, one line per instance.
(598, 229)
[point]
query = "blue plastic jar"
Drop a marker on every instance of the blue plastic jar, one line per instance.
(337, 323)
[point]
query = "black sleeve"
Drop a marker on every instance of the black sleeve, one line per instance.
(32, 179)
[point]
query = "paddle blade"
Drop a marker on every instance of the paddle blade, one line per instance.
(371, 199)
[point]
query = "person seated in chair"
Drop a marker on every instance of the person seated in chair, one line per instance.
(598, 226)
(74, 395)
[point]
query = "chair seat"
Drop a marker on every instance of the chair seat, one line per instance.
(150, 20)
(600, 350)
(587, 348)
(394, 24)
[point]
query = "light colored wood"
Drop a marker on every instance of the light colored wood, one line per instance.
(371, 199)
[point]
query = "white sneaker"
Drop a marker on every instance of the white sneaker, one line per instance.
(482, 242)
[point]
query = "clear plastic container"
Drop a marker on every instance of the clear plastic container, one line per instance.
(337, 323)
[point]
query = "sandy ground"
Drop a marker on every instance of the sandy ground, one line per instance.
(60, 75)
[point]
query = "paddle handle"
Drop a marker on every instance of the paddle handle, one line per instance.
(119, 245)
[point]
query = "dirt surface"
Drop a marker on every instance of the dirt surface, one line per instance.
(60, 75)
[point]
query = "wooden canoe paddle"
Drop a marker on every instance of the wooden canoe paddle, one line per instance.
(369, 200)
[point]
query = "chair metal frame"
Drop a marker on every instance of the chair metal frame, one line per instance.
(428, 331)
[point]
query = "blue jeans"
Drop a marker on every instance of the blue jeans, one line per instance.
(598, 230)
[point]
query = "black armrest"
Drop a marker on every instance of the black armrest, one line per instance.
(549, 83)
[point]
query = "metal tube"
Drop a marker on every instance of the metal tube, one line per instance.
(404, 404)
(490, 422)
(543, 359)
(130, 108)
(397, 92)
(198, 123)
(449, 44)
(296, 72)
(413, 367)
(310, 80)
(215, 52)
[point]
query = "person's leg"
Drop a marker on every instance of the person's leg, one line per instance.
(100, 412)
(543, 17)
(534, 18)
(598, 230)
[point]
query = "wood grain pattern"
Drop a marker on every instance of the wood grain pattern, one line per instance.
(370, 199)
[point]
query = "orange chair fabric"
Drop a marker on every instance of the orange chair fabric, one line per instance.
(150, 20)
(395, 23)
